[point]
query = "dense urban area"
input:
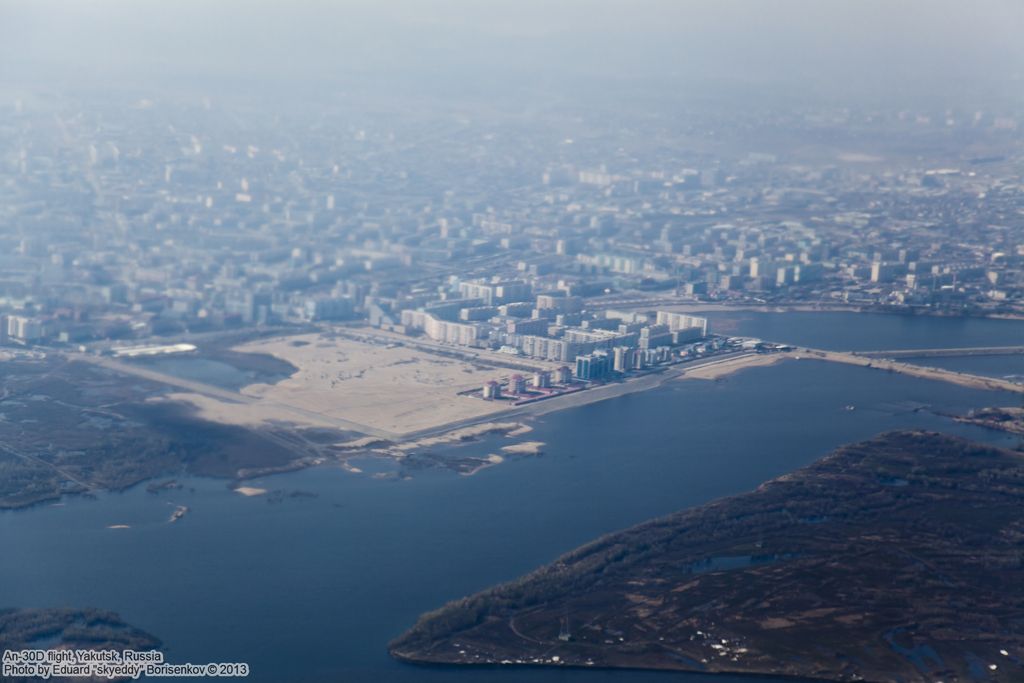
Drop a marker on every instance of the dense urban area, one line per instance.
(295, 298)
(129, 218)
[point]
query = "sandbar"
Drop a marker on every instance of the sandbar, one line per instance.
(525, 448)
(250, 491)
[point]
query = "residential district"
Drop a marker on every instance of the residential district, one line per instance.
(126, 220)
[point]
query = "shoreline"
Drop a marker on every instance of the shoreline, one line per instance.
(470, 666)
(616, 585)
(712, 369)
(472, 428)
(798, 307)
(920, 371)
(732, 363)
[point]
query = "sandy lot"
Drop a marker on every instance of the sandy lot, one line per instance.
(731, 365)
(250, 491)
(390, 391)
(350, 384)
(525, 448)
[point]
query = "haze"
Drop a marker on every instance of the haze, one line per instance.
(878, 49)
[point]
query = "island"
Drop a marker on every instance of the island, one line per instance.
(1007, 418)
(69, 629)
(895, 559)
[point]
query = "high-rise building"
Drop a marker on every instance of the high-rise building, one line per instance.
(534, 326)
(491, 390)
(654, 336)
(23, 329)
(328, 308)
(547, 348)
(681, 321)
(462, 334)
(594, 366)
(494, 293)
(623, 358)
(560, 303)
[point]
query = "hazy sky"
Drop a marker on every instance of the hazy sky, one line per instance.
(869, 46)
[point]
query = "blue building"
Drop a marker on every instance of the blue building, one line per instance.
(594, 366)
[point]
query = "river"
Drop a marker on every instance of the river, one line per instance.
(838, 331)
(310, 587)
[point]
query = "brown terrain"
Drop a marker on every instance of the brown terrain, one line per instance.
(1007, 419)
(72, 427)
(68, 629)
(895, 559)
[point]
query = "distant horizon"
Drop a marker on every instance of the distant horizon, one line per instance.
(846, 51)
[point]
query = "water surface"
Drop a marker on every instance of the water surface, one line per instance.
(837, 331)
(311, 587)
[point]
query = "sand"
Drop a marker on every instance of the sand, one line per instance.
(381, 387)
(402, 449)
(397, 395)
(361, 443)
(922, 371)
(727, 366)
(355, 385)
(490, 461)
(250, 491)
(461, 434)
(525, 448)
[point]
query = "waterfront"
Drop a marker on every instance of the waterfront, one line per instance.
(1000, 367)
(836, 331)
(311, 588)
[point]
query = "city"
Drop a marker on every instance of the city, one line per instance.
(446, 341)
(129, 220)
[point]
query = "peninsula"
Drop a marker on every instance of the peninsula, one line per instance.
(894, 559)
(71, 628)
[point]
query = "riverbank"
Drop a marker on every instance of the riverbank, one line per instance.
(723, 368)
(806, 307)
(795, 579)
(276, 443)
(698, 369)
(606, 467)
(1007, 419)
(69, 629)
(922, 371)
